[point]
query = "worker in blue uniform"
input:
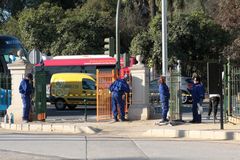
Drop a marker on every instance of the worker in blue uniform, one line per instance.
(118, 88)
(197, 92)
(26, 89)
(164, 98)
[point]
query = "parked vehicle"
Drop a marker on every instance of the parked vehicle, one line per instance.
(9, 46)
(5, 100)
(186, 97)
(71, 89)
(186, 82)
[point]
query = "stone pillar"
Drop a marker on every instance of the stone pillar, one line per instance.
(139, 109)
(18, 70)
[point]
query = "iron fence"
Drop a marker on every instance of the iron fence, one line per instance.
(232, 91)
(175, 102)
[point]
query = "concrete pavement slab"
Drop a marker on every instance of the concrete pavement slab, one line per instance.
(147, 128)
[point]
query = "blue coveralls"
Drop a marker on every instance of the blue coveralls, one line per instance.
(164, 99)
(118, 88)
(25, 89)
(197, 92)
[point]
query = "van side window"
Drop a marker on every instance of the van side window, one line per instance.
(88, 84)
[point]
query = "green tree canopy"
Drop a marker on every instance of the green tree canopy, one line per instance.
(81, 32)
(228, 13)
(192, 37)
(39, 26)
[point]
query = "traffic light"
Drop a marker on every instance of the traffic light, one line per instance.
(109, 46)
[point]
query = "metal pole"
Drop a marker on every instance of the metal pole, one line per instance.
(221, 95)
(164, 38)
(85, 112)
(221, 112)
(229, 87)
(118, 36)
(179, 90)
(225, 93)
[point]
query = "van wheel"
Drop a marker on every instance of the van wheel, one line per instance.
(184, 99)
(60, 104)
(72, 106)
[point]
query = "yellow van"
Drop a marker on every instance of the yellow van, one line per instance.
(71, 89)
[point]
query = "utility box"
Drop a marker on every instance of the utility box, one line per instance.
(40, 95)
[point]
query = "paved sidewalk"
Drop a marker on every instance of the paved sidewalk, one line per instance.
(148, 128)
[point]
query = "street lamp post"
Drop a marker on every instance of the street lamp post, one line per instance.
(164, 38)
(118, 35)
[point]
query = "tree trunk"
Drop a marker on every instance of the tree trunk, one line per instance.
(153, 8)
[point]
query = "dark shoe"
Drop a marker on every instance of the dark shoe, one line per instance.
(192, 121)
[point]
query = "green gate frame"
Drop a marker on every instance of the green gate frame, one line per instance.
(40, 95)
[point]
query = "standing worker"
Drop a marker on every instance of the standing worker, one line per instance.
(164, 98)
(213, 104)
(197, 92)
(118, 88)
(26, 90)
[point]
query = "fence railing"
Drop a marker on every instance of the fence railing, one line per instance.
(232, 90)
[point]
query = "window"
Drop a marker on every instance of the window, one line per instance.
(9, 47)
(88, 84)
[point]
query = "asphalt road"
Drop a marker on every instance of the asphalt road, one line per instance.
(59, 147)
(79, 113)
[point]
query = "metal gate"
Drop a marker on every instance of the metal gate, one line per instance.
(104, 103)
(104, 80)
(232, 92)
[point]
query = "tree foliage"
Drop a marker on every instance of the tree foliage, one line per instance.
(192, 37)
(39, 26)
(134, 19)
(80, 26)
(196, 37)
(141, 44)
(50, 28)
(228, 13)
(81, 33)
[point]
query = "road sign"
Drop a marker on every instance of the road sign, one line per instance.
(35, 56)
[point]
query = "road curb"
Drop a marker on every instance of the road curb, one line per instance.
(237, 136)
(155, 132)
(193, 134)
(50, 128)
